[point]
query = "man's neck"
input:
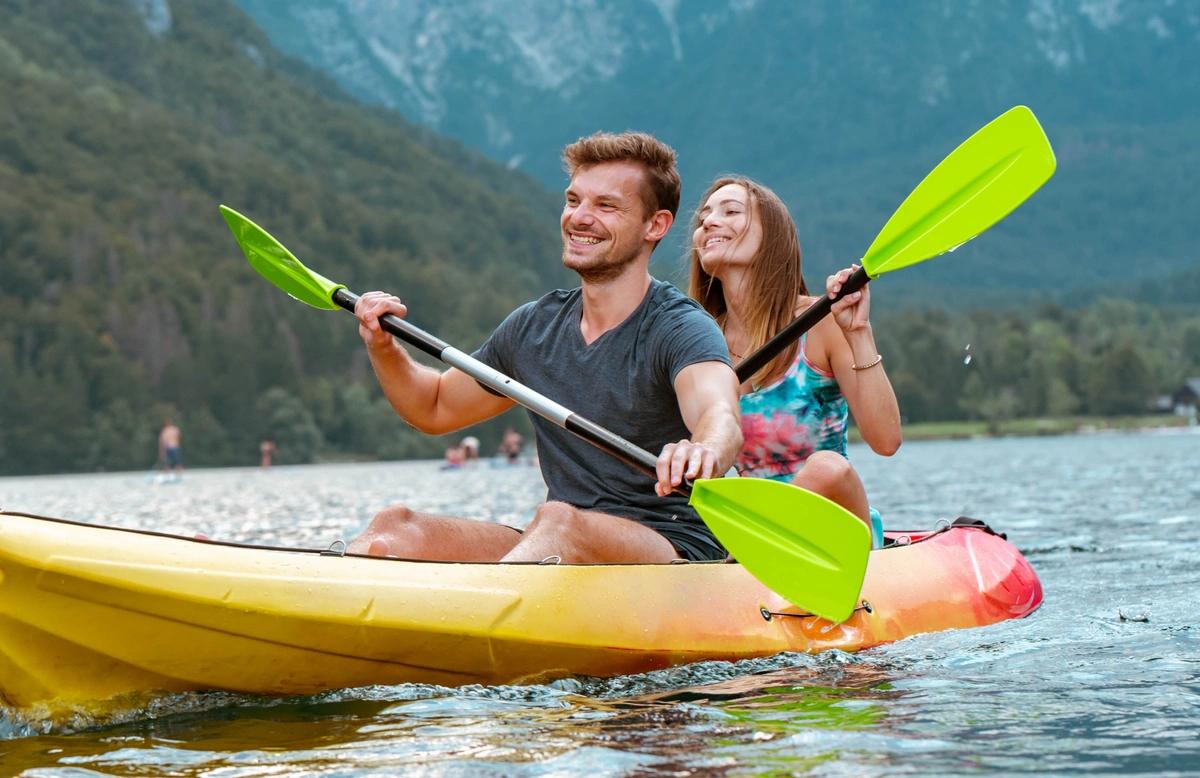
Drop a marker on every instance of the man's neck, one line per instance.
(608, 303)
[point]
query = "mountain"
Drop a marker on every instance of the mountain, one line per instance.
(125, 122)
(842, 107)
(124, 297)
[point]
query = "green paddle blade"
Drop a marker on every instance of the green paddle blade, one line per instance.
(980, 183)
(275, 263)
(807, 549)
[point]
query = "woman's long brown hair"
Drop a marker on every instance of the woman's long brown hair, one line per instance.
(776, 277)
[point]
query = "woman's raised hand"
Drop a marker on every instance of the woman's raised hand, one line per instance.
(853, 311)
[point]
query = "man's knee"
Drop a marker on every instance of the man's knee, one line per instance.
(556, 518)
(393, 519)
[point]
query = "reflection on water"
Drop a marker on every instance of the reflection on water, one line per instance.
(1103, 678)
(571, 726)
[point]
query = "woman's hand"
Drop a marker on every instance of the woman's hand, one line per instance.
(852, 312)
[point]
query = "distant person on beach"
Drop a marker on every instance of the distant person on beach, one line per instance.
(455, 458)
(470, 448)
(746, 270)
(266, 453)
(170, 451)
(632, 353)
(511, 445)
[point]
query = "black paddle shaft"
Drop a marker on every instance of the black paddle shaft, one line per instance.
(800, 325)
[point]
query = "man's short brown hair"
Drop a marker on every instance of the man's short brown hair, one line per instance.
(662, 178)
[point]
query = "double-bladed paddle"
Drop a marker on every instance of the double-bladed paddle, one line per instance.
(977, 185)
(808, 549)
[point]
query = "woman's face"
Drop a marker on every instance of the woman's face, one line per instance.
(729, 235)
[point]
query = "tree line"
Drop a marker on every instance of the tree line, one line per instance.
(1109, 358)
(81, 405)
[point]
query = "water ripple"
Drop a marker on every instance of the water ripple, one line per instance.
(1105, 677)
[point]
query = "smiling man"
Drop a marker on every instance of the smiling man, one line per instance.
(628, 351)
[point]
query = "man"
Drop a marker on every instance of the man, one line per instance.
(170, 451)
(624, 350)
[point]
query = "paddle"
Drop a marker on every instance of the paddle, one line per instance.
(977, 185)
(818, 563)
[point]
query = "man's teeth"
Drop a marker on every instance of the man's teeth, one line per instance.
(584, 239)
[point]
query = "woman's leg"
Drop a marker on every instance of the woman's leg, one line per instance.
(831, 475)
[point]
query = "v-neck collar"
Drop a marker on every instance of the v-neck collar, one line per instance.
(578, 328)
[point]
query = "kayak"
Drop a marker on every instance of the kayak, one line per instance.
(91, 615)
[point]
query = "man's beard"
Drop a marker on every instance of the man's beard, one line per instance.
(605, 269)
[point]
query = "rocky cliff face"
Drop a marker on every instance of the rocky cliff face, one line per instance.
(501, 76)
(840, 106)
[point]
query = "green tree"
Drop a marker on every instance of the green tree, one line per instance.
(284, 419)
(1119, 382)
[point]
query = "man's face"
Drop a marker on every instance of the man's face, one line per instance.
(604, 222)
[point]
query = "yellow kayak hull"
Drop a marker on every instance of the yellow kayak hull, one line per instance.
(90, 614)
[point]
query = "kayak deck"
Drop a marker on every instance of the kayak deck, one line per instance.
(89, 613)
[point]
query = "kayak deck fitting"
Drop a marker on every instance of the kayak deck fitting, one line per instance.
(90, 614)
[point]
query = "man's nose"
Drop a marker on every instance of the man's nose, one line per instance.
(581, 214)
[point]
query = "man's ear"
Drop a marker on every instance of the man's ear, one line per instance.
(660, 222)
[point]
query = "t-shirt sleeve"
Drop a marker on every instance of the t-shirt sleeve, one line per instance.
(689, 336)
(497, 351)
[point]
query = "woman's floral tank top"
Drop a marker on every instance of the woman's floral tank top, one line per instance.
(784, 423)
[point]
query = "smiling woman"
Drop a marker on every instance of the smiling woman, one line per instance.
(746, 269)
(735, 269)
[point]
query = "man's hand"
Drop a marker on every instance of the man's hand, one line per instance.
(369, 308)
(685, 459)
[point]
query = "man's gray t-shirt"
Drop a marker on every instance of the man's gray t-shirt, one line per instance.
(623, 381)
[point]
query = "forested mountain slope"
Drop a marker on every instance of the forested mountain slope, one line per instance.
(124, 297)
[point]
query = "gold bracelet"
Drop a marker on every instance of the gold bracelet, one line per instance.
(878, 358)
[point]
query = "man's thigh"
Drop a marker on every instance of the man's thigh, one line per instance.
(415, 535)
(578, 536)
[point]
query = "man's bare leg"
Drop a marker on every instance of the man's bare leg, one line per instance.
(399, 531)
(577, 536)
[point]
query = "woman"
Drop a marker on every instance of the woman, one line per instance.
(746, 271)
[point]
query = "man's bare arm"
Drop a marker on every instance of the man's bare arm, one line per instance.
(708, 402)
(433, 402)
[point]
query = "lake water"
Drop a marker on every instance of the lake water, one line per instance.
(1105, 677)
